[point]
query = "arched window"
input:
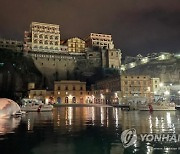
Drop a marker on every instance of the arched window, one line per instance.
(74, 100)
(66, 100)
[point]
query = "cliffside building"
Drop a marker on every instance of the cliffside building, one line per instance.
(75, 45)
(103, 41)
(42, 37)
(11, 44)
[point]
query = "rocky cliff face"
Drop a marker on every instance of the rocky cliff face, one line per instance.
(166, 70)
(15, 72)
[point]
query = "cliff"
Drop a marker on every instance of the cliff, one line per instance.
(167, 70)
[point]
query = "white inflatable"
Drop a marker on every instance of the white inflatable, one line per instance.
(8, 107)
(7, 125)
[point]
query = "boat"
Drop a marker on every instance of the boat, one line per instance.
(35, 105)
(160, 105)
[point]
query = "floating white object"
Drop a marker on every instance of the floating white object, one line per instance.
(8, 107)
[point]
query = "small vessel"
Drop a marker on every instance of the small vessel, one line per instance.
(160, 105)
(35, 105)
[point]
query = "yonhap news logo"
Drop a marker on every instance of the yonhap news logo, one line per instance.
(129, 137)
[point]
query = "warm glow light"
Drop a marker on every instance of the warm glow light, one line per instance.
(102, 96)
(70, 96)
(47, 101)
(166, 92)
(161, 84)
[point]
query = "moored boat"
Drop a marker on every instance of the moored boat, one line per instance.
(157, 106)
(35, 105)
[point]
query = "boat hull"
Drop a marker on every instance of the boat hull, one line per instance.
(157, 108)
(37, 108)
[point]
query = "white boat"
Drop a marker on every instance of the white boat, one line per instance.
(35, 105)
(157, 106)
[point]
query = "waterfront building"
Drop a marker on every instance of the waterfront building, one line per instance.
(136, 86)
(107, 91)
(123, 88)
(42, 37)
(37, 94)
(67, 91)
(103, 41)
(75, 45)
(13, 45)
(155, 82)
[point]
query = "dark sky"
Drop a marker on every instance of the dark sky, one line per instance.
(137, 26)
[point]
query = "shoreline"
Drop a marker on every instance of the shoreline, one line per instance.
(81, 105)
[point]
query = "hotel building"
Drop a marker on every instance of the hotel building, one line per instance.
(75, 45)
(122, 89)
(103, 41)
(42, 37)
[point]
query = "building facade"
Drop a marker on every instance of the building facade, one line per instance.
(122, 89)
(66, 91)
(111, 58)
(155, 83)
(136, 86)
(11, 45)
(42, 37)
(107, 91)
(37, 94)
(103, 41)
(75, 45)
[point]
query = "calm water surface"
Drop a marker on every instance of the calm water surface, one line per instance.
(85, 130)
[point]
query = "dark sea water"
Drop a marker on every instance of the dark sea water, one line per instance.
(87, 130)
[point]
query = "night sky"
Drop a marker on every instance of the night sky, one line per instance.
(137, 26)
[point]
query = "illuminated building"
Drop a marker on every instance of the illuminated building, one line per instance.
(37, 94)
(67, 91)
(42, 37)
(103, 41)
(75, 45)
(136, 86)
(122, 87)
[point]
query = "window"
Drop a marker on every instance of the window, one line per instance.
(66, 87)
(35, 41)
(41, 36)
(46, 37)
(46, 42)
(59, 88)
(74, 88)
(81, 88)
(35, 35)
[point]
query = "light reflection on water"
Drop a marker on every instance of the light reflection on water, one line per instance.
(79, 130)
